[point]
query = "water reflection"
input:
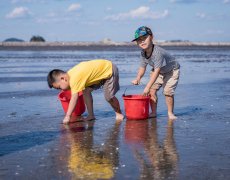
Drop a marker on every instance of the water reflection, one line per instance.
(156, 160)
(87, 160)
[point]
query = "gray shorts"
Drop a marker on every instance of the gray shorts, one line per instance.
(110, 85)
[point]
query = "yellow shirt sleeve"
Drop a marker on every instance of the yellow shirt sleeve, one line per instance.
(89, 73)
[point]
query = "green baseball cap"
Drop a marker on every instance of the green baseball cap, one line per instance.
(142, 31)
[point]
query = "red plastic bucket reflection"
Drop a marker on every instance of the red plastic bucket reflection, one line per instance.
(136, 107)
(136, 132)
(65, 96)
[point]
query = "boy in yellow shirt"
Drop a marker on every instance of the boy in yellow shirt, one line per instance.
(88, 76)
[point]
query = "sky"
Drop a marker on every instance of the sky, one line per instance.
(95, 20)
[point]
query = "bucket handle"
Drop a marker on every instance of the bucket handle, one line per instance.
(124, 92)
(127, 88)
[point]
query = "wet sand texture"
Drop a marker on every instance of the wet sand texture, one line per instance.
(35, 145)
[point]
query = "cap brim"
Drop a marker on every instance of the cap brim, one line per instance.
(134, 40)
(140, 36)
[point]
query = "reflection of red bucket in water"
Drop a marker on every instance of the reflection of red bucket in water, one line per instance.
(65, 96)
(136, 107)
(136, 131)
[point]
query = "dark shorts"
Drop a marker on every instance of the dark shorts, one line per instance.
(110, 85)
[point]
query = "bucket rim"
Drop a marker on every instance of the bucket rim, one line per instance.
(135, 97)
(63, 98)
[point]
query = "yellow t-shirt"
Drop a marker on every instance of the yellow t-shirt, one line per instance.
(89, 73)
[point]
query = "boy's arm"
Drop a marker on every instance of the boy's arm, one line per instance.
(72, 104)
(140, 74)
(153, 78)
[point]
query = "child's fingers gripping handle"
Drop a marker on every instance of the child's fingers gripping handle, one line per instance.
(135, 82)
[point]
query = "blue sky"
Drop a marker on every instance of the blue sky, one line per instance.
(94, 20)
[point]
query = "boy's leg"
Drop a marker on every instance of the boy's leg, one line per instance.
(170, 105)
(111, 86)
(88, 99)
(116, 107)
(153, 95)
(153, 103)
(171, 80)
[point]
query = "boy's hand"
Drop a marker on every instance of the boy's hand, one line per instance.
(135, 82)
(66, 119)
(146, 91)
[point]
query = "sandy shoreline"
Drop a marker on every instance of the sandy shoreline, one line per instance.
(47, 46)
(101, 43)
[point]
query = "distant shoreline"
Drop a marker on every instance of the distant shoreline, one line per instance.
(100, 45)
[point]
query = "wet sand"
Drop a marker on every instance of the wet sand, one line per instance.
(35, 145)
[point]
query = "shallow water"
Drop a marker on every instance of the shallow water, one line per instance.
(35, 145)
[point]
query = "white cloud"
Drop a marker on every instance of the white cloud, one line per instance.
(108, 9)
(201, 15)
(18, 12)
(212, 17)
(142, 12)
(51, 15)
(74, 7)
(226, 1)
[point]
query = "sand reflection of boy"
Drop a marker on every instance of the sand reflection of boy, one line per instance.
(88, 162)
(163, 158)
(157, 161)
(88, 76)
(165, 70)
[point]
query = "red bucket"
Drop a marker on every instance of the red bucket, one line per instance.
(136, 107)
(65, 96)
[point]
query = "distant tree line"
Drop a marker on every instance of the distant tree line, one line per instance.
(13, 40)
(37, 39)
(32, 39)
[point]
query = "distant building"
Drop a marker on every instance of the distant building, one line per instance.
(178, 40)
(107, 41)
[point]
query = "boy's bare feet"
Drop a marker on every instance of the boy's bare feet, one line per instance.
(88, 118)
(119, 117)
(172, 116)
(152, 115)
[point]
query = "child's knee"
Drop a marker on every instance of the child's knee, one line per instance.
(153, 95)
(153, 98)
(112, 100)
(169, 92)
(87, 90)
(108, 99)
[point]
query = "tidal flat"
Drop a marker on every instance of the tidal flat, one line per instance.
(35, 145)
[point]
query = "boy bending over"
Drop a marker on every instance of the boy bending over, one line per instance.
(88, 76)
